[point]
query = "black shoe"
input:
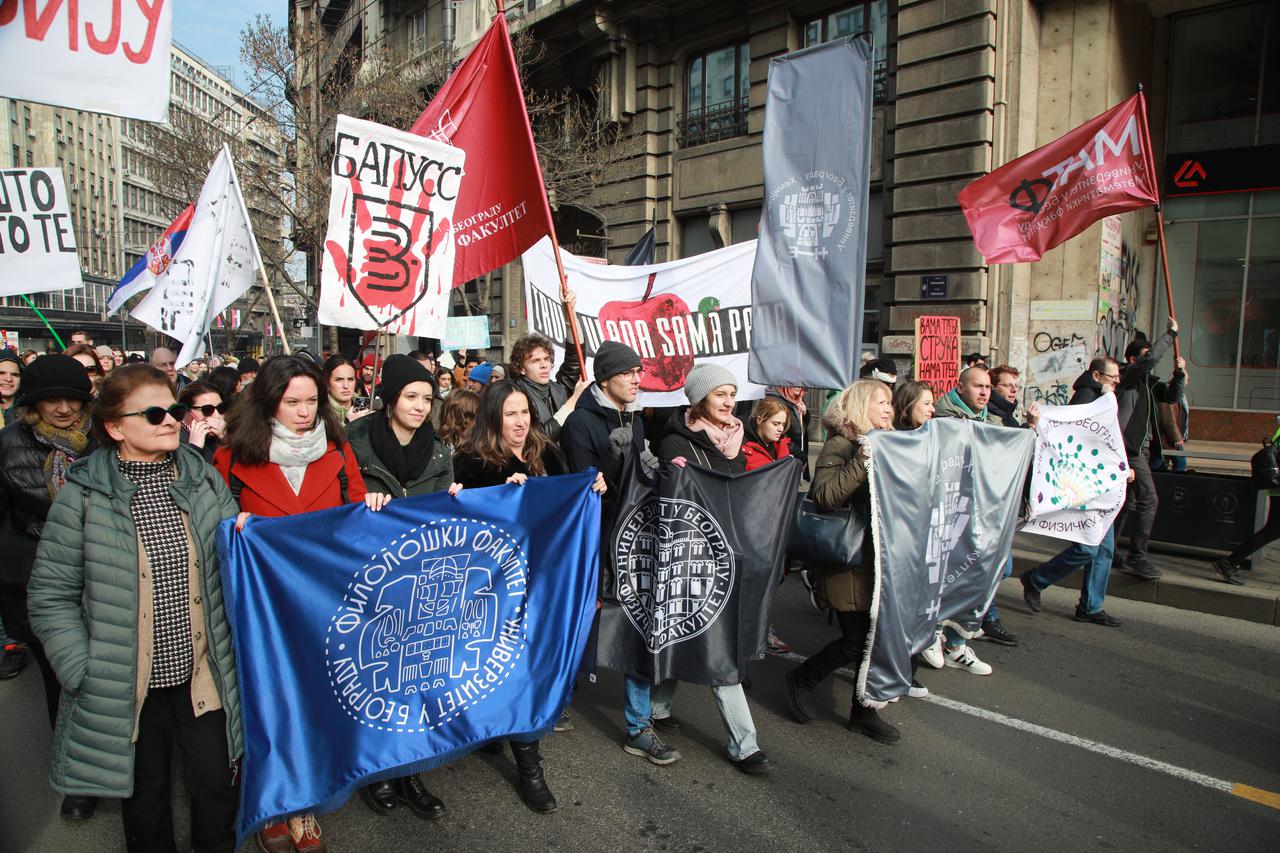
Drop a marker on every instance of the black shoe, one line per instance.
(1100, 617)
(13, 660)
(667, 724)
(992, 630)
(380, 796)
(78, 808)
(533, 783)
(1141, 569)
(1227, 570)
(754, 764)
(866, 721)
(800, 699)
(410, 791)
(1030, 594)
(564, 724)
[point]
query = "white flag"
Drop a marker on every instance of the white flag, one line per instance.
(216, 263)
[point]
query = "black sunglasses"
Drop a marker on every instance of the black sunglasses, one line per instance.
(208, 410)
(155, 415)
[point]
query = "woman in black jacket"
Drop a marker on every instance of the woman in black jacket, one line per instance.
(50, 430)
(506, 446)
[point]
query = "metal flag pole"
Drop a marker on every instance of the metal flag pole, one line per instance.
(1155, 181)
(570, 313)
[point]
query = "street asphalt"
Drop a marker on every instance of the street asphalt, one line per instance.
(1130, 738)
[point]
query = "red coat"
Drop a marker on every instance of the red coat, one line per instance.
(266, 491)
(759, 455)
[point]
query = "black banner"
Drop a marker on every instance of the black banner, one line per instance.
(693, 561)
(1227, 170)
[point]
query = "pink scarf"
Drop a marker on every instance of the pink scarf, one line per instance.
(727, 439)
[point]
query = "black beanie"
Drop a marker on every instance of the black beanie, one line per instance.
(51, 377)
(397, 372)
(247, 365)
(11, 355)
(613, 358)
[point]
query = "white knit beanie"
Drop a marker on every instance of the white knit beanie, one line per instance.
(704, 379)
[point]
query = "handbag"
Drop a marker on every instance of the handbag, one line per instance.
(1265, 466)
(833, 537)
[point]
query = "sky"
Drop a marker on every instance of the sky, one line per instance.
(211, 28)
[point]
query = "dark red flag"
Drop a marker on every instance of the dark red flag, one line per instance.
(1028, 206)
(502, 205)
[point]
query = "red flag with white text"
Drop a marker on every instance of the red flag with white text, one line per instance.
(1028, 206)
(502, 206)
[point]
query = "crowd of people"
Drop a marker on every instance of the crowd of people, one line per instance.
(116, 471)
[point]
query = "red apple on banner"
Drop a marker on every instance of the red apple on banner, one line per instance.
(661, 372)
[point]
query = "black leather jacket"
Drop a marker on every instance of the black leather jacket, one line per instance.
(24, 501)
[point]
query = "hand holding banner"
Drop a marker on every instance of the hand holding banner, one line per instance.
(389, 249)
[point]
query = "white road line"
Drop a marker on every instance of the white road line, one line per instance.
(1062, 737)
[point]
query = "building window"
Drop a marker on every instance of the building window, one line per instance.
(872, 19)
(716, 96)
(418, 33)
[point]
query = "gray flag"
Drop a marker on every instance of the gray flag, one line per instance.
(962, 482)
(810, 269)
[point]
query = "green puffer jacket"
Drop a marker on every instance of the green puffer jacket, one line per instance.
(83, 600)
(436, 477)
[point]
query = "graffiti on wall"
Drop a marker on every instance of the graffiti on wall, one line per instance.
(1118, 271)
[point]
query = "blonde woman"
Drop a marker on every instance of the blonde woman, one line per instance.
(840, 478)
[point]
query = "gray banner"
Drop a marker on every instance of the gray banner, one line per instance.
(961, 481)
(810, 268)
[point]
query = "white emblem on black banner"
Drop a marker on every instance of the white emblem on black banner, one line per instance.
(675, 570)
(431, 625)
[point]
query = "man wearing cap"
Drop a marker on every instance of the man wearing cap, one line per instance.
(603, 425)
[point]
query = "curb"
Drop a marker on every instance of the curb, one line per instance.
(1174, 589)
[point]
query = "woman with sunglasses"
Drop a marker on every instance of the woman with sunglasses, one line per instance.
(126, 596)
(285, 453)
(50, 431)
(204, 425)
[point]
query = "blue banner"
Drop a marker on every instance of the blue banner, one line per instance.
(373, 645)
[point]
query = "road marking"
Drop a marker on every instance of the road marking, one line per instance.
(1247, 792)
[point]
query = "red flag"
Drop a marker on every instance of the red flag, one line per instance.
(502, 207)
(1025, 208)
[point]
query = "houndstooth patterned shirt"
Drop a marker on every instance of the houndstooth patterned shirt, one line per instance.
(164, 537)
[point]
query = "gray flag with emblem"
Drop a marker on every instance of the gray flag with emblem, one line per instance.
(962, 482)
(810, 268)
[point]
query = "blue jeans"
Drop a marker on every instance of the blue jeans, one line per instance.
(992, 614)
(639, 712)
(1096, 562)
(731, 699)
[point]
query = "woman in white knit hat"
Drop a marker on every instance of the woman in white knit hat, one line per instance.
(706, 433)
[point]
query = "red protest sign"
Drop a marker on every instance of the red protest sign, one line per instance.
(937, 351)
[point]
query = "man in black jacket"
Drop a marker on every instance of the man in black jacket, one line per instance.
(1136, 399)
(551, 401)
(597, 434)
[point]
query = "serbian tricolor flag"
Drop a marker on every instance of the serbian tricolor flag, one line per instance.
(147, 271)
(502, 207)
(1028, 206)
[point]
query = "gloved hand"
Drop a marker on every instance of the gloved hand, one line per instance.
(650, 462)
(619, 440)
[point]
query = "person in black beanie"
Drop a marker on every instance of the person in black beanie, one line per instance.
(399, 456)
(50, 430)
(246, 371)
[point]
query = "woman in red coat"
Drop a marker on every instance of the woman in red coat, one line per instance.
(766, 435)
(285, 453)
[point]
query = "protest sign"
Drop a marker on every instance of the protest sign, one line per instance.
(937, 351)
(465, 333)
(37, 236)
(93, 55)
(389, 250)
(674, 315)
(418, 633)
(1080, 471)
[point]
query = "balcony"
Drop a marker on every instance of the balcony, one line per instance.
(711, 124)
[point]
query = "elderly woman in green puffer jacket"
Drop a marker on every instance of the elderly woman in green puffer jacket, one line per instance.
(126, 598)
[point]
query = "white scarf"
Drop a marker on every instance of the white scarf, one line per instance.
(293, 452)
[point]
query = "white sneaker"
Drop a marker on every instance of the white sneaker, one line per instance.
(964, 658)
(933, 654)
(917, 690)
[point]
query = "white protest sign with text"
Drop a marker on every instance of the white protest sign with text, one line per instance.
(37, 236)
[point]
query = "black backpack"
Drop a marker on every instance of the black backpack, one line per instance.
(1265, 466)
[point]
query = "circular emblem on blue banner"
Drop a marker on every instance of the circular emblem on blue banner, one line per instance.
(675, 570)
(430, 626)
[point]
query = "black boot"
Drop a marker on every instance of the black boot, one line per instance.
(78, 808)
(868, 722)
(380, 796)
(414, 794)
(533, 784)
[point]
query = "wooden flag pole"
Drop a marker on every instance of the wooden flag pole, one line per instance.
(275, 314)
(1164, 251)
(569, 311)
